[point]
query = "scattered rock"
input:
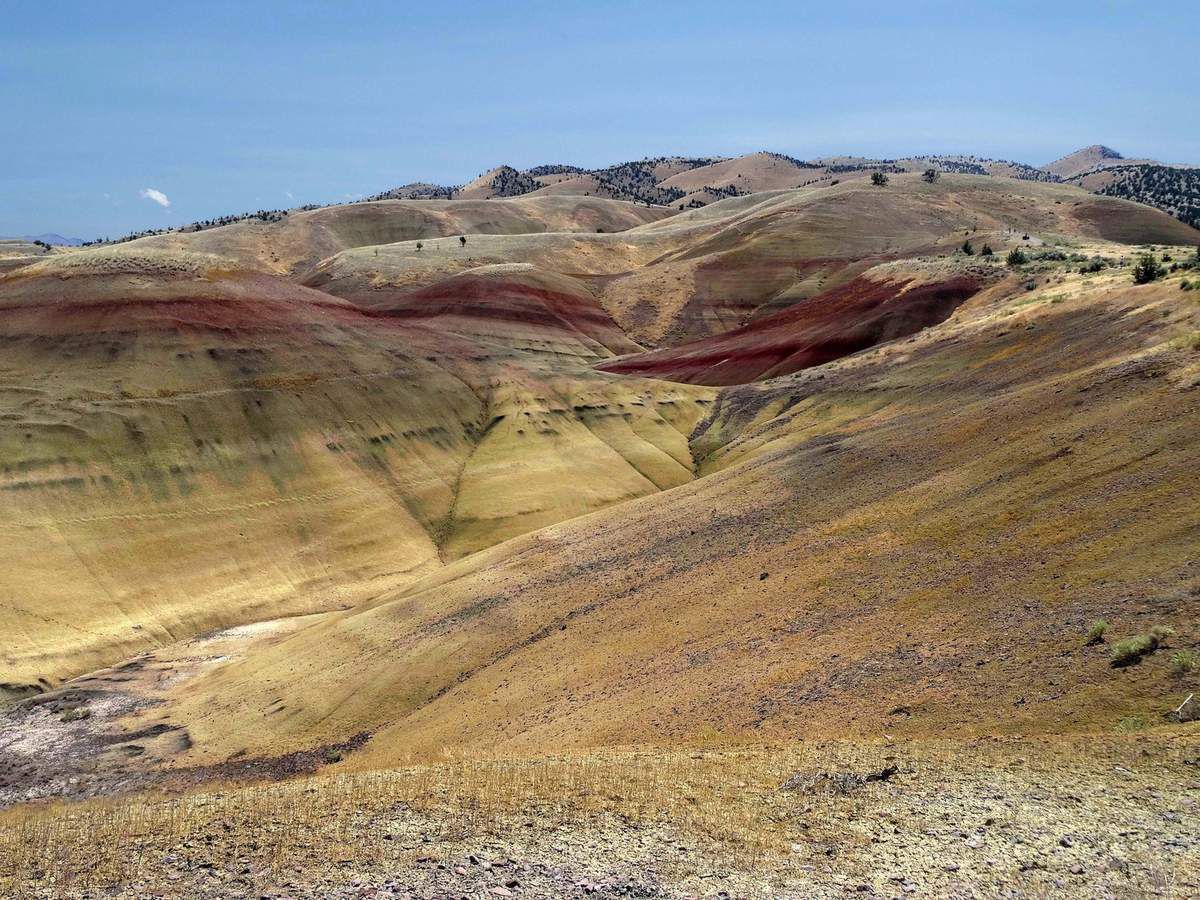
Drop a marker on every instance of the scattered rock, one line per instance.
(836, 782)
(1188, 710)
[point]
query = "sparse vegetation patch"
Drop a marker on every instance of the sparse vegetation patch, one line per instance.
(1095, 634)
(1131, 650)
(1183, 662)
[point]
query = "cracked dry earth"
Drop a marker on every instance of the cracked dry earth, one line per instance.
(1097, 816)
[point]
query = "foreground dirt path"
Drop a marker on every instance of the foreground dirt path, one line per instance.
(1093, 816)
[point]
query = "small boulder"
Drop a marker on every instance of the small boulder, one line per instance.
(1188, 710)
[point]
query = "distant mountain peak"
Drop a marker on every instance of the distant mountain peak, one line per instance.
(1093, 157)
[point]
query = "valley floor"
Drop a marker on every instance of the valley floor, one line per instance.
(1089, 816)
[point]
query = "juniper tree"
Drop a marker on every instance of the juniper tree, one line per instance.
(1146, 270)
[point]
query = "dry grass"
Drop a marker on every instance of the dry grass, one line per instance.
(767, 812)
(727, 798)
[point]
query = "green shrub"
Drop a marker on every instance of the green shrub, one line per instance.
(1160, 633)
(1185, 285)
(1183, 661)
(1095, 634)
(968, 249)
(878, 179)
(1017, 257)
(1131, 650)
(987, 250)
(1147, 269)
(1131, 723)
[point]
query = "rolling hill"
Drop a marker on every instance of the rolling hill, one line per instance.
(870, 541)
(1085, 160)
(419, 397)
(678, 183)
(155, 396)
(729, 518)
(706, 271)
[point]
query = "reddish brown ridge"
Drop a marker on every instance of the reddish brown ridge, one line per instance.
(836, 323)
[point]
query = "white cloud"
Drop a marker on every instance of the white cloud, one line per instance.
(157, 196)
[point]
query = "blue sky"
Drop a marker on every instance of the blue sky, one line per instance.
(226, 107)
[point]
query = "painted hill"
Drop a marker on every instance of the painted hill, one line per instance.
(708, 271)
(842, 320)
(417, 401)
(298, 241)
(563, 521)
(175, 395)
(871, 539)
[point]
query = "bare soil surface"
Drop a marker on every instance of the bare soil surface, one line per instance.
(1088, 816)
(98, 734)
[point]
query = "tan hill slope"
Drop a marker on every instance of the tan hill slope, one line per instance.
(678, 183)
(17, 253)
(303, 238)
(710, 270)
(1173, 189)
(423, 405)
(850, 317)
(909, 541)
(191, 443)
(1087, 159)
(187, 446)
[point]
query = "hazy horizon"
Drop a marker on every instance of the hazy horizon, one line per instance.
(142, 117)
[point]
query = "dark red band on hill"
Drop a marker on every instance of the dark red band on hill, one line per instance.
(491, 300)
(190, 313)
(836, 323)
